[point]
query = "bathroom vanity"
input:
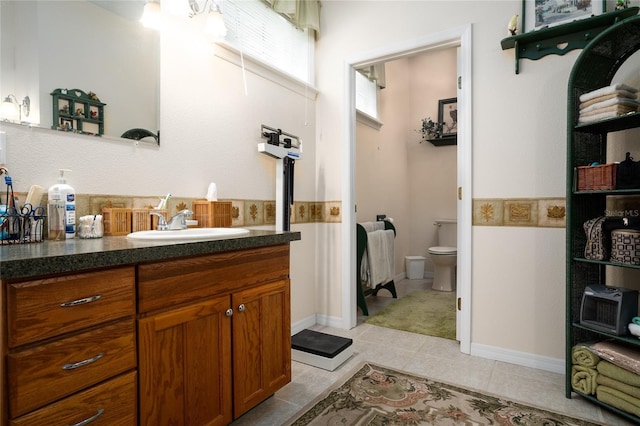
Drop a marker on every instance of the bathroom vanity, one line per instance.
(143, 333)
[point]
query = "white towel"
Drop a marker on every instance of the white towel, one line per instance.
(381, 256)
(606, 90)
(611, 102)
(373, 226)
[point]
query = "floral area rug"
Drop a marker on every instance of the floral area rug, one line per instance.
(378, 396)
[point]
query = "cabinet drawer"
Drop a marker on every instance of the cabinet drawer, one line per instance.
(44, 308)
(167, 284)
(45, 373)
(112, 403)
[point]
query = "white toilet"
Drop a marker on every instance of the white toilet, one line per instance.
(444, 255)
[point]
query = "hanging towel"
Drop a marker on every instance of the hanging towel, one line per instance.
(381, 256)
(607, 90)
(373, 226)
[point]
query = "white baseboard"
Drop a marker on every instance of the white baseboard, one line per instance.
(328, 321)
(525, 359)
(303, 324)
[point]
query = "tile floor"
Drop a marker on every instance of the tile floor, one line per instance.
(433, 357)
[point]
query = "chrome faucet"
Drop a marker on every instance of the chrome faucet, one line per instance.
(179, 221)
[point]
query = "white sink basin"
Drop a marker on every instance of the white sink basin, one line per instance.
(189, 234)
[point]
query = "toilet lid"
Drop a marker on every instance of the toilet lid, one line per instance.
(443, 250)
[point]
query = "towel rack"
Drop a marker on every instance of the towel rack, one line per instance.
(362, 240)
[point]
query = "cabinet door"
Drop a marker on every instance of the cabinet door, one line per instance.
(185, 365)
(261, 343)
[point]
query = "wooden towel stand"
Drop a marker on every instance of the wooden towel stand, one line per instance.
(362, 239)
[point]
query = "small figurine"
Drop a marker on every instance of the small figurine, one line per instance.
(64, 109)
(94, 114)
(93, 97)
(622, 4)
(79, 113)
(513, 25)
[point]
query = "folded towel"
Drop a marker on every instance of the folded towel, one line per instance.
(583, 379)
(618, 399)
(617, 93)
(582, 355)
(619, 109)
(607, 90)
(617, 354)
(607, 381)
(611, 102)
(618, 373)
(598, 117)
(373, 226)
(381, 254)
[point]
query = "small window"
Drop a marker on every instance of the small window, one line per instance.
(258, 31)
(366, 95)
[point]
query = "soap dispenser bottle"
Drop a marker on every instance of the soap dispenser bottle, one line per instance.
(68, 197)
(55, 215)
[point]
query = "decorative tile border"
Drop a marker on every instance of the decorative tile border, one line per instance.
(536, 212)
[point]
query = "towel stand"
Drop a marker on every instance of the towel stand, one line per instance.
(362, 239)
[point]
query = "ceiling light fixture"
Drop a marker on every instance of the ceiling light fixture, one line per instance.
(152, 16)
(214, 26)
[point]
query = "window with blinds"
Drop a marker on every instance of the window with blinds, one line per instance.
(258, 31)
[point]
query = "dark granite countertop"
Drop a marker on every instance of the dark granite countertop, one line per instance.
(19, 261)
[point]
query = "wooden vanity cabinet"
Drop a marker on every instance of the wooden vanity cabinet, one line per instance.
(71, 349)
(214, 335)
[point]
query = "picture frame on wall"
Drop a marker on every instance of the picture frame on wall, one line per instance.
(448, 116)
(539, 14)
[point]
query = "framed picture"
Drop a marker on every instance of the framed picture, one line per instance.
(538, 14)
(448, 116)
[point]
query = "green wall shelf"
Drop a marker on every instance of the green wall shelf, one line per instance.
(76, 111)
(563, 38)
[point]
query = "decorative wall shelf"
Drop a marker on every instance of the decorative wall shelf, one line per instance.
(563, 38)
(79, 112)
(445, 140)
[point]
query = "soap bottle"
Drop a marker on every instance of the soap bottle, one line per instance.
(68, 197)
(55, 215)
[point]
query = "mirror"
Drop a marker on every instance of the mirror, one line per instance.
(94, 46)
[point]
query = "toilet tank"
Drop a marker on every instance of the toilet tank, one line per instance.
(447, 232)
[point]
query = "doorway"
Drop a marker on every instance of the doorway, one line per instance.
(458, 37)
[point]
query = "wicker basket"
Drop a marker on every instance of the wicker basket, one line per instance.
(212, 214)
(594, 178)
(117, 221)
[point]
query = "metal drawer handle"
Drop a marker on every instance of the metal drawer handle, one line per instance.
(81, 301)
(82, 363)
(89, 419)
(241, 308)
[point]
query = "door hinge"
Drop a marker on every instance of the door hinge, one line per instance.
(459, 303)
(459, 193)
(460, 82)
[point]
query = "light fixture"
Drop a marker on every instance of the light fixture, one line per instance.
(12, 110)
(214, 26)
(152, 16)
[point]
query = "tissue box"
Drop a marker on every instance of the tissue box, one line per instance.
(212, 214)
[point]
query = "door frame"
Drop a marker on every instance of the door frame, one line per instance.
(456, 37)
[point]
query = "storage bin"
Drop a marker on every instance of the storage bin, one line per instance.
(212, 214)
(594, 178)
(415, 267)
(117, 221)
(625, 246)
